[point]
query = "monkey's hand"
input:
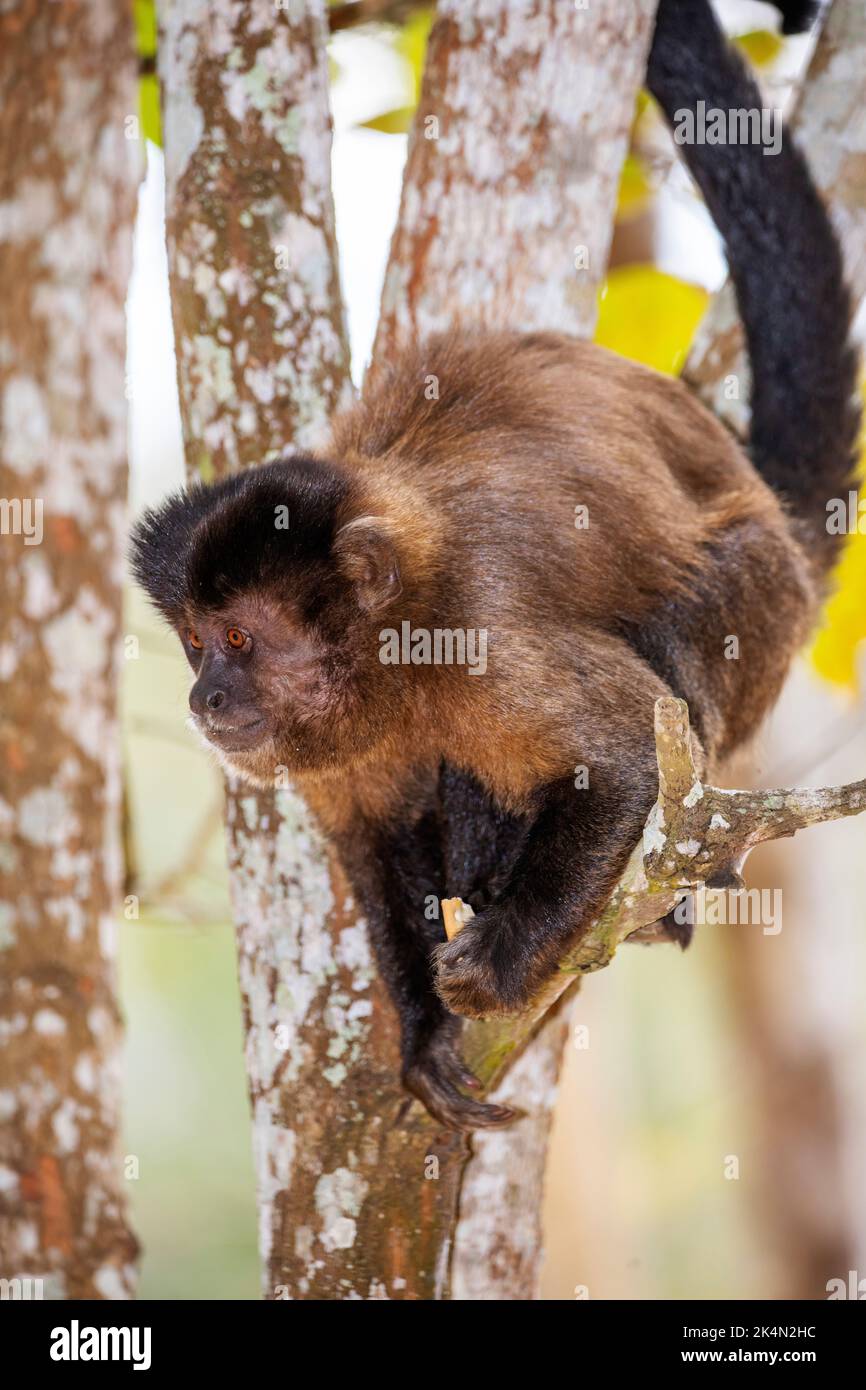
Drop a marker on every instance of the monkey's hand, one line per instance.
(575, 851)
(486, 969)
(435, 1075)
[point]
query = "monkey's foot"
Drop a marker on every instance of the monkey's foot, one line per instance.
(477, 973)
(678, 925)
(435, 1077)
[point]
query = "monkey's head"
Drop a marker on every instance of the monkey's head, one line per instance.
(276, 581)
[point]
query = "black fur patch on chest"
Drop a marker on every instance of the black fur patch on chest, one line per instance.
(481, 841)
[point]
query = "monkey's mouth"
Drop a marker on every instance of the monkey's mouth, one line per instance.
(234, 737)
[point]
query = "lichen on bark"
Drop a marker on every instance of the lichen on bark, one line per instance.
(67, 186)
(513, 167)
(259, 334)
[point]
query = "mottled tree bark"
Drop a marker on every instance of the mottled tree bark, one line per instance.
(259, 334)
(67, 179)
(514, 164)
(358, 1189)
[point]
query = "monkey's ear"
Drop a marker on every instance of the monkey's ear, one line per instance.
(366, 555)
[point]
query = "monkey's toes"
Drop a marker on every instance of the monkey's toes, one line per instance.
(433, 1083)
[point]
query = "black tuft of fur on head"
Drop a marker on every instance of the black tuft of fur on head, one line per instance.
(202, 547)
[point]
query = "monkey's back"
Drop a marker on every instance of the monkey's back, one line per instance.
(554, 475)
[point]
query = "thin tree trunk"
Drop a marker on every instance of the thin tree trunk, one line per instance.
(345, 1209)
(799, 1064)
(514, 164)
(358, 1189)
(67, 180)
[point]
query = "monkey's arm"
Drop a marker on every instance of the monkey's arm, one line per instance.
(397, 872)
(576, 849)
(555, 865)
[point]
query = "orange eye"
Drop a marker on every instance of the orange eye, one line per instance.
(194, 640)
(235, 637)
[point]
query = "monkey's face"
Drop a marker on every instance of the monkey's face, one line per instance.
(247, 664)
(269, 688)
(276, 582)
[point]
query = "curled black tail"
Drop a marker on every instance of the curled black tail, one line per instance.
(786, 266)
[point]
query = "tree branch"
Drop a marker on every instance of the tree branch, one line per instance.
(693, 833)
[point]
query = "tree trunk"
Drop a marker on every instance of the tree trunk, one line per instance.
(511, 184)
(262, 362)
(67, 182)
(798, 1056)
(358, 1189)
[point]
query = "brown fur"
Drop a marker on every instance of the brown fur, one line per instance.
(478, 491)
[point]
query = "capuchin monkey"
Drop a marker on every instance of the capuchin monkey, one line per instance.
(456, 516)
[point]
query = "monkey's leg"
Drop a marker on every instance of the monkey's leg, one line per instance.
(399, 877)
(572, 857)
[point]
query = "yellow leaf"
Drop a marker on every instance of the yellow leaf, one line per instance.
(634, 189)
(843, 628)
(649, 316)
(148, 105)
(144, 15)
(396, 122)
(412, 43)
(760, 46)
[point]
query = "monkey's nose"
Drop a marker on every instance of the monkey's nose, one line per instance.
(205, 699)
